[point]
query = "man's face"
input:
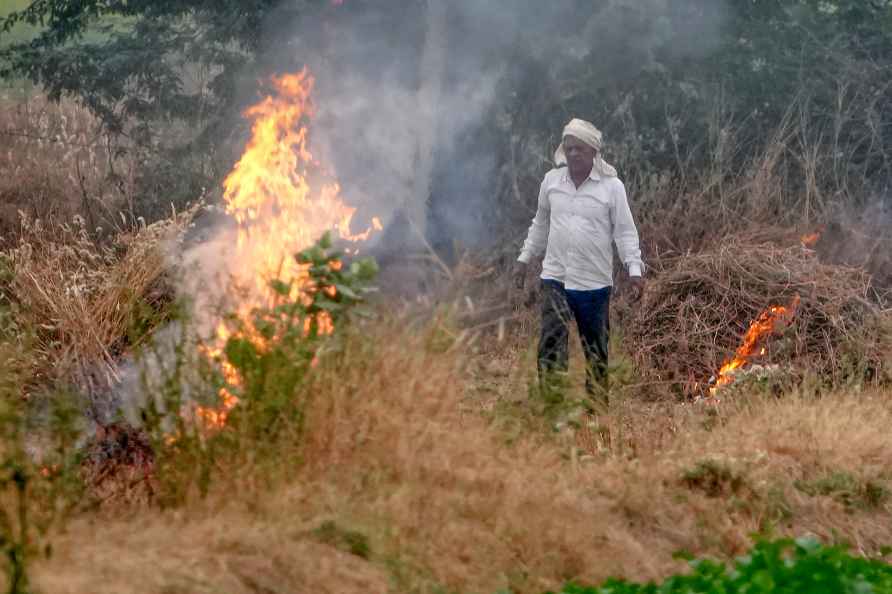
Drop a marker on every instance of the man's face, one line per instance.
(580, 156)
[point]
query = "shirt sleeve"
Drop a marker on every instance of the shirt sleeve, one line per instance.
(537, 236)
(625, 235)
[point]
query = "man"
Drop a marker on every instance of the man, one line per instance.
(582, 208)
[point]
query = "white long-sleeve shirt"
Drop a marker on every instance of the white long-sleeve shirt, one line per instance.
(575, 226)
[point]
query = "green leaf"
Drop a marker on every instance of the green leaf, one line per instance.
(280, 288)
(346, 292)
(265, 328)
(325, 241)
(241, 353)
(363, 312)
(330, 306)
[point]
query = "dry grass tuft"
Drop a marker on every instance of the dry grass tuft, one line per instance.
(236, 552)
(87, 302)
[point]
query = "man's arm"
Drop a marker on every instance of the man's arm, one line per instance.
(537, 236)
(625, 236)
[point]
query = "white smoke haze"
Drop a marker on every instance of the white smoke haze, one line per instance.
(403, 92)
(205, 276)
(142, 380)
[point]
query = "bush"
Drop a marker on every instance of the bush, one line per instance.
(256, 381)
(846, 489)
(713, 478)
(775, 567)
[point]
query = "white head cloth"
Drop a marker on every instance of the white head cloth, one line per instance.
(587, 133)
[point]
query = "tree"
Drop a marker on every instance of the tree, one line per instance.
(131, 59)
(163, 74)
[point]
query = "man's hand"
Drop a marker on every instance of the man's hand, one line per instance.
(519, 275)
(636, 288)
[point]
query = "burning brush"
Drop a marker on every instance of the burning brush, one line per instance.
(809, 240)
(693, 297)
(772, 321)
(282, 200)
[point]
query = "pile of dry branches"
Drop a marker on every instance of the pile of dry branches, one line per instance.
(698, 306)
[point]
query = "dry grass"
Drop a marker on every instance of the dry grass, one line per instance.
(237, 552)
(794, 177)
(424, 466)
(57, 164)
(446, 498)
(87, 302)
(421, 441)
(863, 240)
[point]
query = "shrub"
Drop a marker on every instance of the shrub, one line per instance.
(350, 541)
(713, 478)
(846, 489)
(256, 381)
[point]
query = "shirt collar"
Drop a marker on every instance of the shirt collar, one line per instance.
(594, 175)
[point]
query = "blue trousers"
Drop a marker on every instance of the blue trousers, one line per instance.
(591, 311)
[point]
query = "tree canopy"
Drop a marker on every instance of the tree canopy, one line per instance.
(665, 77)
(133, 60)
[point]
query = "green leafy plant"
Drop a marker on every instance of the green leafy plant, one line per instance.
(772, 567)
(273, 350)
(262, 367)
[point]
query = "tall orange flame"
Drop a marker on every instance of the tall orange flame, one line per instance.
(279, 197)
(771, 321)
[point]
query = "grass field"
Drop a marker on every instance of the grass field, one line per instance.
(412, 479)
(412, 453)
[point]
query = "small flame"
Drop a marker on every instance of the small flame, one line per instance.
(279, 197)
(771, 321)
(49, 470)
(810, 239)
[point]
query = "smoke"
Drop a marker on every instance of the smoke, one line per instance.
(416, 100)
